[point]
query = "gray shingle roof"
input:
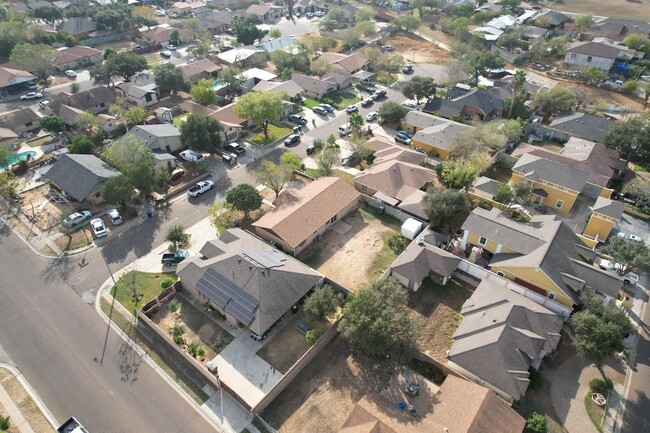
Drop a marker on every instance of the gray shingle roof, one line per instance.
(80, 175)
(538, 168)
(582, 125)
(419, 261)
(610, 208)
(442, 135)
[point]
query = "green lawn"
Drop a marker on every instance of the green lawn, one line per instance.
(178, 121)
(317, 172)
(383, 259)
(310, 103)
(276, 132)
(385, 78)
(595, 412)
(146, 285)
(340, 100)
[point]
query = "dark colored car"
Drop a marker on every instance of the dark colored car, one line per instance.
(311, 149)
(292, 139)
(407, 69)
(295, 118)
(176, 174)
(367, 103)
(378, 94)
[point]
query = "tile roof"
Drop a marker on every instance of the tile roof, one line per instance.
(396, 179)
(232, 259)
(582, 125)
(300, 213)
(80, 175)
(536, 168)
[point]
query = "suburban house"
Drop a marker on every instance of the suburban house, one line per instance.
(216, 21)
(304, 6)
(186, 8)
(78, 57)
(247, 280)
(618, 28)
(312, 86)
(252, 76)
(70, 114)
(605, 213)
(531, 33)
(164, 137)
(592, 54)
(410, 403)
(81, 176)
(383, 150)
(232, 124)
(203, 69)
(20, 121)
(107, 122)
(142, 96)
(161, 34)
(543, 255)
(473, 103)
(554, 184)
(79, 27)
(14, 80)
(267, 13)
(422, 259)
(164, 161)
(347, 63)
(95, 100)
(303, 215)
(581, 125)
(483, 189)
(227, 116)
(551, 19)
(291, 88)
(8, 138)
(243, 57)
(433, 134)
(501, 336)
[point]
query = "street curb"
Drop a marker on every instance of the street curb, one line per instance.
(25, 241)
(34, 396)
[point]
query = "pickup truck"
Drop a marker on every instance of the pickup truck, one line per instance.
(169, 259)
(71, 426)
(200, 188)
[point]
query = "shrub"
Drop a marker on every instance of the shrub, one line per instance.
(312, 336)
(174, 305)
(397, 243)
(4, 423)
(321, 303)
(536, 423)
(601, 386)
(200, 351)
(177, 334)
(431, 372)
(193, 349)
(167, 282)
(536, 378)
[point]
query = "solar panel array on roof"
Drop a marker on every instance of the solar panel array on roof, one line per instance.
(228, 296)
(268, 259)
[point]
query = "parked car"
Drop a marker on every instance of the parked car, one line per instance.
(372, 116)
(77, 218)
(31, 95)
(176, 174)
(319, 110)
(628, 237)
(328, 107)
(411, 106)
(311, 149)
(115, 217)
(70, 73)
(165, 54)
(367, 103)
(169, 259)
(309, 15)
(403, 137)
(378, 94)
(387, 48)
(235, 147)
(31, 86)
(296, 118)
(171, 47)
(407, 69)
(628, 278)
(319, 14)
(192, 156)
(160, 12)
(368, 82)
(99, 229)
(351, 109)
(200, 188)
(292, 139)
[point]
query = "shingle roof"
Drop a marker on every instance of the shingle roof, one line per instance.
(415, 204)
(204, 65)
(610, 208)
(84, 100)
(17, 118)
(292, 88)
(151, 133)
(71, 54)
(396, 179)
(227, 114)
(10, 76)
(275, 289)
(582, 125)
(80, 175)
(594, 49)
(539, 168)
(555, 18)
(442, 135)
(77, 25)
(500, 333)
(419, 261)
(300, 213)
(312, 84)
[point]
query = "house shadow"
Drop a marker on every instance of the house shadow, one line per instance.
(431, 295)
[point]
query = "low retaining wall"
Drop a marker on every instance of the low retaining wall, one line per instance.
(634, 212)
(389, 210)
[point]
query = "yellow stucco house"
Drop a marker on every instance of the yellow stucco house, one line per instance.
(543, 255)
(604, 216)
(432, 134)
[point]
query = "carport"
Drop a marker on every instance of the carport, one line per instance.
(14, 80)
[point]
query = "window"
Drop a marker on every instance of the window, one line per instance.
(102, 104)
(501, 274)
(552, 295)
(573, 56)
(333, 219)
(559, 204)
(589, 59)
(482, 240)
(28, 124)
(147, 97)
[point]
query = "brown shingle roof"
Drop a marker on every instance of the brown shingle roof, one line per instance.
(227, 115)
(396, 179)
(594, 49)
(203, 65)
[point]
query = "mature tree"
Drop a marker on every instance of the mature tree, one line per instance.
(252, 19)
(135, 115)
(332, 19)
(169, 78)
(392, 112)
(522, 192)
(290, 160)
(275, 33)
(460, 173)
(407, 23)
(52, 123)
(504, 194)
(114, 16)
(80, 144)
(201, 133)
(515, 108)
(8, 181)
(175, 36)
(203, 93)
(510, 3)
(510, 128)
(351, 38)
(117, 190)
(321, 303)
(639, 188)
(631, 138)
(244, 198)
(599, 329)
(637, 42)
(419, 88)
(177, 237)
(232, 80)
(479, 62)
(5, 157)
(135, 160)
(261, 107)
(391, 62)
(629, 86)
(632, 255)
(484, 139)
(327, 158)
(273, 175)
(284, 60)
(202, 49)
(320, 66)
(39, 59)
(365, 28)
(364, 14)
(355, 122)
(248, 34)
(222, 216)
(555, 100)
(594, 74)
(124, 65)
(12, 33)
(454, 71)
(443, 205)
(49, 14)
(376, 321)
(144, 13)
(583, 22)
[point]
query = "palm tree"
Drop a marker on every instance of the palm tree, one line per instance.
(176, 236)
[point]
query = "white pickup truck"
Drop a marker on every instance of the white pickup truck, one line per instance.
(200, 188)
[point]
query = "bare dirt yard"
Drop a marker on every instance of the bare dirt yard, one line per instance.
(417, 50)
(349, 258)
(322, 396)
(631, 9)
(439, 308)
(595, 95)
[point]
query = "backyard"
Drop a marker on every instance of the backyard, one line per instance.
(417, 50)
(276, 132)
(135, 289)
(439, 308)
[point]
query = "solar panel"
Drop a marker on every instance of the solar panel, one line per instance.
(268, 259)
(228, 296)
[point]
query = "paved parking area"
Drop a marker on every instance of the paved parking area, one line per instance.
(634, 225)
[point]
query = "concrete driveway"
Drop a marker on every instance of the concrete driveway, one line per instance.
(634, 225)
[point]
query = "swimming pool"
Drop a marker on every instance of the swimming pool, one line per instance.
(15, 158)
(216, 85)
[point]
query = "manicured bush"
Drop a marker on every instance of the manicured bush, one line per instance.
(4, 423)
(536, 378)
(601, 386)
(174, 305)
(167, 282)
(536, 423)
(312, 336)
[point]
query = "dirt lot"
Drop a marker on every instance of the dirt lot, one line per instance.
(417, 50)
(289, 344)
(593, 95)
(322, 396)
(24, 402)
(348, 258)
(635, 9)
(198, 326)
(439, 307)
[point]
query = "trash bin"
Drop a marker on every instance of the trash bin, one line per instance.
(381, 209)
(150, 213)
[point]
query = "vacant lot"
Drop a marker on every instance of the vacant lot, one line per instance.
(634, 9)
(322, 396)
(350, 257)
(135, 289)
(439, 308)
(417, 50)
(595, 95)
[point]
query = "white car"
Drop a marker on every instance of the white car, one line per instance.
(191, 156)
(629, 237)
(411, 106)
(371, 116)
(319, 14)
(99, 229)
(115, 217)
(200, 188)
(70, 73)
(171, 47)
(31, 95)
(609, 266)
(77, 217)
(160, 12)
